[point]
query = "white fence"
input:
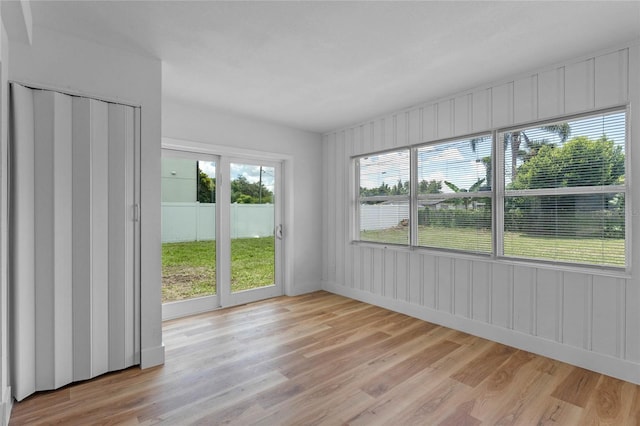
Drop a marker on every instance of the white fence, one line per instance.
(382, 216)
(196, 222)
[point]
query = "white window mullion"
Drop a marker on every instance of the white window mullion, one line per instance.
(355, 199)
(498, 194)
(413, 203)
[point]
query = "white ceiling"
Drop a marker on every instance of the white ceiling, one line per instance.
(321, 65)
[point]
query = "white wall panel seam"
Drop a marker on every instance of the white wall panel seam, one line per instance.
(452, 286)
(491, 295)
(470, 289)
(510, 287)
(395, 275)
(339, 196)
(371, 269)
(622, 325)
(421, 275)
(332, 209)
(560, 309)
(325, 209)
(589, 314)
(421, 125)
(534, 303)
(395, 140)
(346, 207)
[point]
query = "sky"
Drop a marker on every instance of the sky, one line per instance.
(250, 171)
(455, 162)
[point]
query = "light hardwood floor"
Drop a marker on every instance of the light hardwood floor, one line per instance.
(325, 359)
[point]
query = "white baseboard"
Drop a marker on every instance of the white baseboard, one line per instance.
(150, 357)
(604, 364)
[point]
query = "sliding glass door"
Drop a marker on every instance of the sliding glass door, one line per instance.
(221, 232)
(189, 230)
(255, 230)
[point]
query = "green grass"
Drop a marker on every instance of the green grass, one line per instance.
(189, 269)
(583, 250)
(252, 263)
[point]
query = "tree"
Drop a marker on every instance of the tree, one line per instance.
(472, 188)
(562, 130)
(245, 192)
(579, 162)
(516, 139)
(401, 188)
(430, 187)
(486, 162)
(206, 188)
(385, 189)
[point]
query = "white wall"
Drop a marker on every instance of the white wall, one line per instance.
(303, 173)
(59, 62)
(5, 389)
(580, 316)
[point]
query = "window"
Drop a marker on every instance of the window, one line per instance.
(565, 191)
(454, 195)
(383, 197)
(553, 192)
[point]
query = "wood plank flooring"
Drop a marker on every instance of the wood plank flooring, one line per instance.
(322, 359)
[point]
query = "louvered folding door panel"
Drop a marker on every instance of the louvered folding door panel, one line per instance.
(73, 239)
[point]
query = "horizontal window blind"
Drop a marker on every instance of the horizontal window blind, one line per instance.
(559, 190)
(384, 189)
(565, 191)
(569, 228)
(454, 198)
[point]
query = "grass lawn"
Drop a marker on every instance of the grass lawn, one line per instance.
(189, 269)
(583, 250)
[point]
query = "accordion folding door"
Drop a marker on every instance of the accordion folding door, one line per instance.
(74, 238)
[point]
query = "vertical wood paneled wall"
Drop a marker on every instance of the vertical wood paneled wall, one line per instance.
(588, 319)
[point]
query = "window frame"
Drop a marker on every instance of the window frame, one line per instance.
(358, 199)
(454, 195)
(499, 194)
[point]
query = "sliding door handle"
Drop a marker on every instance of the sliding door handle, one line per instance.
(279, 232)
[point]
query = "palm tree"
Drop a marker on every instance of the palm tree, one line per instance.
(515, 139)
(472, 188)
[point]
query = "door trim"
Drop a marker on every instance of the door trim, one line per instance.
(287, 219)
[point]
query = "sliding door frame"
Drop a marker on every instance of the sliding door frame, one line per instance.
(227, 155)
(227, 296)
(181, 308)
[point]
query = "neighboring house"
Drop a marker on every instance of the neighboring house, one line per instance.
(179, 180)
